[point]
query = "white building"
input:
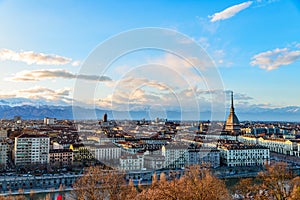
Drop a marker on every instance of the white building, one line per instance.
(252, 140)
(233, 155)
(31, 148)
(131, 162)
(49, 121)
(3, 153)
(176, 155)
(107, 151)
(277, 145)
(297, 152)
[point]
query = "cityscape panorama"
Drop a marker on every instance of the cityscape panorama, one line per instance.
(149, 100)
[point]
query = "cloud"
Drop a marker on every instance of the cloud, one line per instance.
(30, 57)
(169, 69)
(76, 63)
(131, 82)
(6, 95)
(37, 75)
(230, 12)
(44, 90)
(182, 71)
(238, 96)
(276, 58)
(132, 93)
(159, 80)
(40, 93)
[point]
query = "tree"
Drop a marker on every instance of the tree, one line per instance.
(98, 183)
(196, 183)
(295, 193)
(276, 182)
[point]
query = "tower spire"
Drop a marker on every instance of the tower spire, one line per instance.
(231, 108)
(232, 123)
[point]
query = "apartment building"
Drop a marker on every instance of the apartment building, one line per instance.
(107, 151)
(131, 162)
(3, 154)
(61, 157)
(277, 145)
(239, 154)
(31, 148)
(203, 156)
(176, 155)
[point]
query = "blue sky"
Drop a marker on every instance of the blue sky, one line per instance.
(254, 44)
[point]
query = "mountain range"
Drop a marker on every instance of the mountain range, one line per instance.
(38, 109)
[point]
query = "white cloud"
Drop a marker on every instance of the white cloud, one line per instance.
(37, 75)
(6, 95)
(76, 63)
(43, 90)
(30, 57)
(132, 93)
(230, 12)
(164, 81)
(40, 93)
(276, 58)
(131, 82)
(169, 69)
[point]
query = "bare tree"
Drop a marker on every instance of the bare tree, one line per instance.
(98, 183)
(295, 193)
(196, 183)
(277, 182)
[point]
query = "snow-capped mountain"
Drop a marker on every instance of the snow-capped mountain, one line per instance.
(38, 109)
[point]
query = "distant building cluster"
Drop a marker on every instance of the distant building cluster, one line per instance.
(143, 145)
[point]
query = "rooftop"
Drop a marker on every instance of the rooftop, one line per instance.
(26, 135)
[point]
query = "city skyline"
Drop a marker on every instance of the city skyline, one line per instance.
(255, 46)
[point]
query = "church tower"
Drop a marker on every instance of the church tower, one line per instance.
(232, 123)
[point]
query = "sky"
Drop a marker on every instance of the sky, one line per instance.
(254, 45)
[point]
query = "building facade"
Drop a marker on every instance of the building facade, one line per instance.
(238, 154)
(31, 149)
(3, 154)
(61, 157)
(81, 154)
(131, 162)
(277, 145)
(154, 161)
(204, 156)
(248, 139)
(176, 155)
(105, 152)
